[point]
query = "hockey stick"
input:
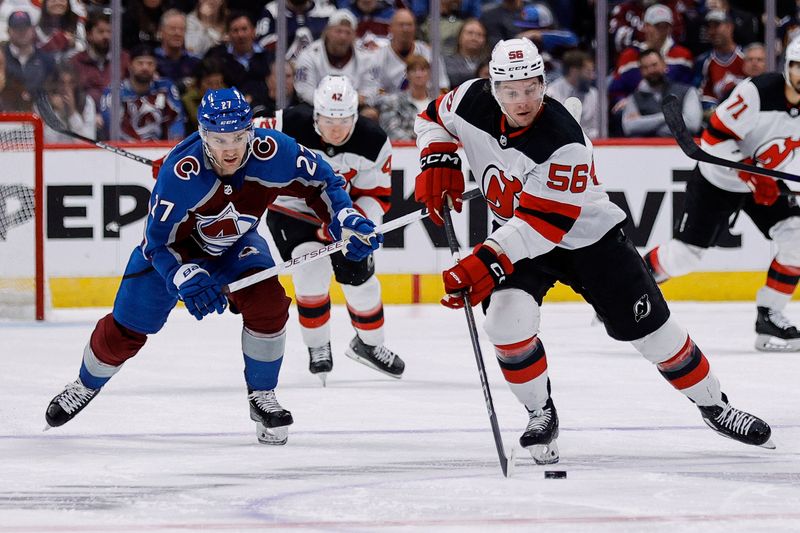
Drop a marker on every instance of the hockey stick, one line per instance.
(674, 118)
(51, 119)
(506, 463)
(332, 248)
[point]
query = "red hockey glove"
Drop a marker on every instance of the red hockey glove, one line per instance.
(440, 174)
(765, 189)
(478, 274)
(157, 163)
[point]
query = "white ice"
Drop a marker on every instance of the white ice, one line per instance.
(168, 445)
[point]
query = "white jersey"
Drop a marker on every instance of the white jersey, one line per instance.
(538, 181)
(392, 68)
(364, 161)
(757, 125)
(312, 65)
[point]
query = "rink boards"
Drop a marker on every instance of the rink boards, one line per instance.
(96, 204)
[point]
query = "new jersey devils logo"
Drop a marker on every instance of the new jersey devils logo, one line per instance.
(187, 167)
(348, 175)
(264, 148)
(777, 152)
(642, 308)
(501, 191)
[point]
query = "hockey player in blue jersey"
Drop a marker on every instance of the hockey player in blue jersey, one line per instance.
(210, 195)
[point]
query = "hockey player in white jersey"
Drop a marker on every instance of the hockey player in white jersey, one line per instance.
(360, 152)
(554, 222)
(759, 124)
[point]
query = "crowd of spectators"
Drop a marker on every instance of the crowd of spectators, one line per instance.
(174, 50)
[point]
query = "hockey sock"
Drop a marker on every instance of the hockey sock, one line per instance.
(783, 280)
(689, 372)
(524, 365)
(366, 310)
(314, 313)
(263, 355)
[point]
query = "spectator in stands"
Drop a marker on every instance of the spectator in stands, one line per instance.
(642, 116)
(140, 22)
(60, 31)
(658, 20)
(246, 62)
(391, 60)
(94, 64)
(373, 18)
(746, 25)
(627, 21)
(483, 70)
(151, 108)
(205, 26)
(210, 75)
(305, 22)
(335, 53)
(71, 104)
(26, 67)
(450, 21)
(755, 60)
(252, 7)
(722, 68)
(267, 107)
(32, 7)
(470, 51)
(499, 21)
(398, 111)
(536, 22)
(467, 8)
(579, 75)
(173, 60)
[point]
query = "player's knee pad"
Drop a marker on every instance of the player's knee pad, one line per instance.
(367, 295)
(663, 343)
(786, 235)
(353, 272)
(112, 343)
(265, 347)
(264, 306)
(678, 258)
(314, 277)
(512, 316)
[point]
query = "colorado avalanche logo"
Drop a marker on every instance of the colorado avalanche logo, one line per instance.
(501, 191)
(264, 148)
(219, 232)
(777, 152)
(187, 167)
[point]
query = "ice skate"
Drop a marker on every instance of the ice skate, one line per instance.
(540, 436)
(774, 332)
(380, 358)
(68, 403)
(272, 420)
(737, 425)
(320, 361)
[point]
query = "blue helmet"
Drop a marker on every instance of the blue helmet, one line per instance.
(224, 111)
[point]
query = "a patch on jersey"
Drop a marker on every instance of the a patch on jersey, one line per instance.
(448, 101)
(642, 308)
(228, 189)
(219, 232)
(248, 251)
(501, 191)
(265, 148)
(187, 167)
(776, 152)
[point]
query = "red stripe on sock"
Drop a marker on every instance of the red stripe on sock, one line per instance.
(694, 377)
(785, 288)
(524, 375)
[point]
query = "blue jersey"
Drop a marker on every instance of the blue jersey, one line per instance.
(196, 214)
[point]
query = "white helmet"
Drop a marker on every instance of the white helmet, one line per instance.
(792, 54)
(515, 59)
(335, 97)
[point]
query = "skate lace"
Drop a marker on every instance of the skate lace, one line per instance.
(778, 318)
(265, 400)
(539, 419)
(384, 355)
(735, 420)
(74, 396)
(321, 353)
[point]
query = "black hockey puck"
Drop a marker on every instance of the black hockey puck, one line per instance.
(555, 474)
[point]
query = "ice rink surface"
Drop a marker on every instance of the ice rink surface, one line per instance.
(168, 445)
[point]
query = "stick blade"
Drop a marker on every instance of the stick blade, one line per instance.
(45, 110)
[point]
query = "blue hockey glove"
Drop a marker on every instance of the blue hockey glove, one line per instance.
(199, 292)
(359, 232)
